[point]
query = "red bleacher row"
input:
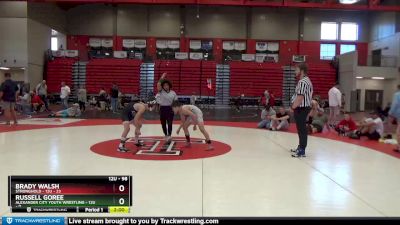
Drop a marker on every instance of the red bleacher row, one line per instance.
(252, 79)
(188, 77)
(57, 71)
(101, 73)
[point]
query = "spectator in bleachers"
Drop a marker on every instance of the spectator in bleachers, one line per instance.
(36, 102)
(383, 113)
(166, 96)
(280, 121)
(371, 127)
(120, 97)
(238, 102)
(22, 89)
(193, 99)
(266, 117)
(271, 101)
(335, 103)
(267, 96)
(24, 103)
(72, 111)
(315, 108)
(318, 123)
(8, 97)
(102, 100)
(41, 91)
(114, 97)
(346, 126)
(394, 113)
(82, 98)
(64, 94)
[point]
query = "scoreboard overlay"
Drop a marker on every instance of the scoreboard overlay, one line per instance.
(75, 194)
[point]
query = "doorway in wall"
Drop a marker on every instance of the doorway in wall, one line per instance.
(358, 100)
(376, 57)
(373, 99)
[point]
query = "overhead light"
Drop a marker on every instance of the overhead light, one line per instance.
(378, 78)
(4, 68)
(359, 77)
(348, 1)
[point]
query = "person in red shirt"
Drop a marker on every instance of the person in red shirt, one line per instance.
(271, 99)
(36, 101)
(346, 126)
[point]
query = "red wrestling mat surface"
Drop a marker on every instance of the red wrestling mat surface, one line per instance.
(155, 148)
(381, 147)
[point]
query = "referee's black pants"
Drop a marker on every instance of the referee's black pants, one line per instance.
(166, 118)
(300, 116)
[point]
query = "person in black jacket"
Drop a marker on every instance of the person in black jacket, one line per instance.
(114, 97)
(8, 97)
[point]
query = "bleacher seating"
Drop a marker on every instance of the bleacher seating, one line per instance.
(323, 77)
(188, 76)
(59, 70)
(101, 73)
(252, 79)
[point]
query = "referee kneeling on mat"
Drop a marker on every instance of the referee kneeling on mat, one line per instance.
(301, 106)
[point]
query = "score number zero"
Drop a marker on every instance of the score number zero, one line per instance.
(121, 187)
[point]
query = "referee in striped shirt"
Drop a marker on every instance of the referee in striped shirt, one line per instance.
(301, 106)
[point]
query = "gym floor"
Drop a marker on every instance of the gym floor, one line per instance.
(250, 173)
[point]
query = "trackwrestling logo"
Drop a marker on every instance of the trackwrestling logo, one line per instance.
(34, 220)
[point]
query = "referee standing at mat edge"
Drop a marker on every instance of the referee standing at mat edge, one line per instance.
(301, 106)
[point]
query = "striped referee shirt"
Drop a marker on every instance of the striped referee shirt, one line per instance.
(304, 87)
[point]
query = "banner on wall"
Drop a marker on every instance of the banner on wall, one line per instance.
(196, 55)
(161, 44)
(71, 53)
(273, 46)
(140, 43)
(138, 55)
(173, 44)
(120, 54)
(206, 45)
(59, 53)
(181, 55)
(240, 45)
(260, 58)
(261, 46)
(195, 44)
(128, 43)
(228, 45)
(272, 58)
(299, 58)
(95, 42)
(248, 57)
(107, 43)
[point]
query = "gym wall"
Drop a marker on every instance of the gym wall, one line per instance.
(26, 33)
(213, 22)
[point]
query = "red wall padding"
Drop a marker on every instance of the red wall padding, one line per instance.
(187, 77)
(101, 73)
(252, 79)
(59, 70)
